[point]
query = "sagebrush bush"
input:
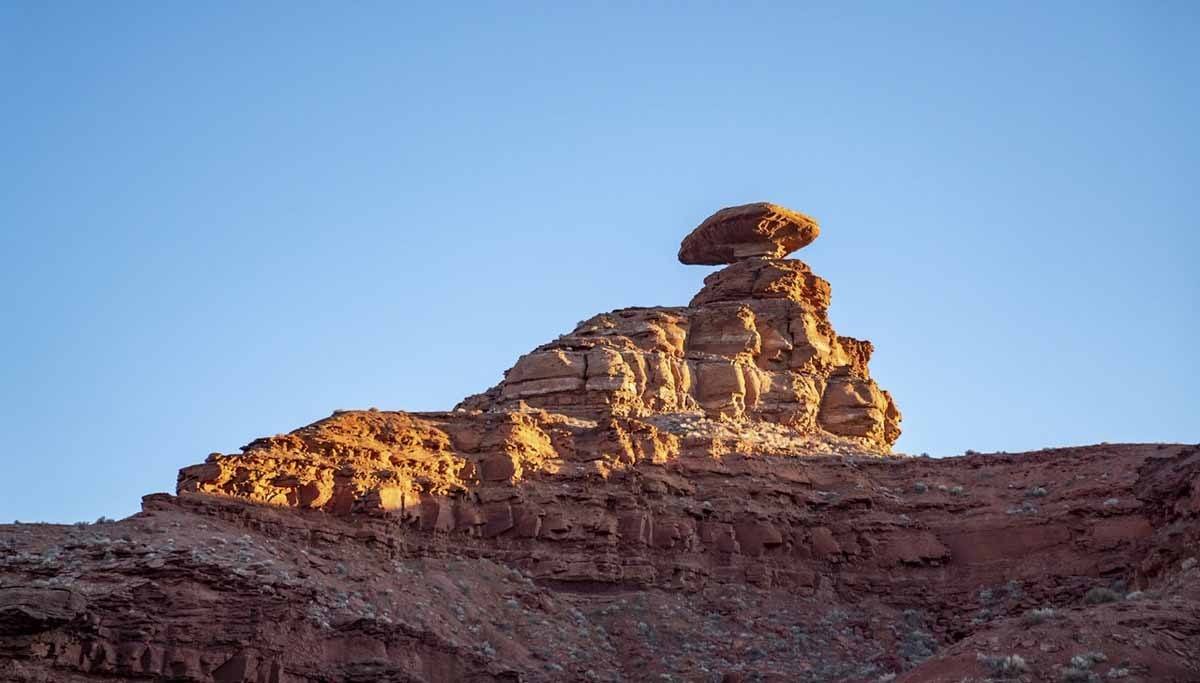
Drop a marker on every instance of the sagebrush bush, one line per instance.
(1009, 666)
(1039, 615)
(1080, 668)
(1086, 660)
(1073, 675)
(1099, 596)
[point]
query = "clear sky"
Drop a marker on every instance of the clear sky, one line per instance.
(225, 220)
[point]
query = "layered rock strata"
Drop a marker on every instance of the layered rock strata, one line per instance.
(657, 564)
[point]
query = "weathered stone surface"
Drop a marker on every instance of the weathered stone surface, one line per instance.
(546, 372)
(29, 609)
(856, 407)
(748, 231)
(765, 279)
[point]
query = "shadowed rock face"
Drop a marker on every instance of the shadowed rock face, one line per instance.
(692, 493)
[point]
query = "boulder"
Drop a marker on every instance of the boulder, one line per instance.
(752, 230)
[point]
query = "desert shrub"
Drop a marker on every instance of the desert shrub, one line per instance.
(1009, 666)
(1039, 615)
(982, 617)
(920, 487)
(1087, 659)
(957, 491)
(916, 643)
(1080, 668)
(1099, 596)
(1036, 492)
(1025, 508)
(1073, 675)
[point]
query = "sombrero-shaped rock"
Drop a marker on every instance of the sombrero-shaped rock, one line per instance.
(740, 232)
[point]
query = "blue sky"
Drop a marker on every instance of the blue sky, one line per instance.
(225, 220)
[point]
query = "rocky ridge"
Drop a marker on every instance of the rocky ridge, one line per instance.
(686, 493)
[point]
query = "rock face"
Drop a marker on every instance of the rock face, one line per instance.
(751, 230)
(691, 493)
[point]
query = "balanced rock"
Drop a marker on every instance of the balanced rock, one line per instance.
(754, 346)
(741, 232)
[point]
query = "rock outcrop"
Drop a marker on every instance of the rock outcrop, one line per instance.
(754, 345)
(693, 493)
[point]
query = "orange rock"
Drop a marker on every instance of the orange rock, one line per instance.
(765, 279)
(751, 230)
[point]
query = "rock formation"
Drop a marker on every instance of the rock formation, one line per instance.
(693, 493)
(755, 344)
